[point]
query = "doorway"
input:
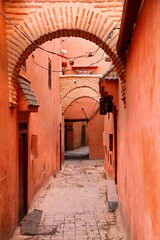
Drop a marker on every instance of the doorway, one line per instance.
(83, 136)
(23, 170)
(115, 141)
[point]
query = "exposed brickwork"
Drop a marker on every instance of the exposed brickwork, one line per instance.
(70, 83)
(45, 20)
(78, 93)
(74, 87)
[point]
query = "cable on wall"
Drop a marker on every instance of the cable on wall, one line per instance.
(45, 68)
(38, 46)
(71, 60)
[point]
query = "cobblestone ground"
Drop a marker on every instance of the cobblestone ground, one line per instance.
(74, 206)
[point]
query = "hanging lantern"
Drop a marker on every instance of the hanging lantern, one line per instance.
(106, 105)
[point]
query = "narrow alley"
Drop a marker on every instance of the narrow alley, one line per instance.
(79, 74)
(74, 206)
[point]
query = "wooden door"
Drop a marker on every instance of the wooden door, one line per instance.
(23, 174)
(60, 133)
(115, 142)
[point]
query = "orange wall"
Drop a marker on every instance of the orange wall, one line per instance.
(109, 154)
(74, 111)
(139, 128)
(62, 139)
(69, 136)
(8, 146)
(46, 122)
(94, 128)
(95, 131)
(78, 47)
(110, 87)
(77, 129)
(73, 135)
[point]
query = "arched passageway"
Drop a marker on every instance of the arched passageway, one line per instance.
(54, 21)
(27, 27)
(83, 130)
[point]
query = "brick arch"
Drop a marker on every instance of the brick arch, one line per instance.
(76, 94)
(81, 82)
(58, 21)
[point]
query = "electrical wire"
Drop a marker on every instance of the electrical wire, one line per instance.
(24, 35)
(94, 107)
(71, 60)
(67, 70)
(45, 68)
(93, 53)
(101, 59)
(94, 114)
(38, 46)
(88, 54)
(109, 36)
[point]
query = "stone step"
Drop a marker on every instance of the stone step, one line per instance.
(112, 197)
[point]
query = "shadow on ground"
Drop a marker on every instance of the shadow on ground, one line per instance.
(77, 154)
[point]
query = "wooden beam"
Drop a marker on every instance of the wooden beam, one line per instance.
(76, 120)
(129, 17)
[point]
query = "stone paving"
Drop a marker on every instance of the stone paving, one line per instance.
(74, 206)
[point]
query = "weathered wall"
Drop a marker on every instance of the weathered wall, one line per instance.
(42, 21)
(79, 47)
(8, 146)
(75, 112)
(94, 128)
(95, 131)
(62, 140)
(138, 130)
(74, 87)
(77, 130)
(46, 122)
(110, 126)
(108, 153)
(68, 136)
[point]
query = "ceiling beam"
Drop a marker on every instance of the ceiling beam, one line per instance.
(76, 120)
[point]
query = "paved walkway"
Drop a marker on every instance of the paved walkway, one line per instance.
(74, 206)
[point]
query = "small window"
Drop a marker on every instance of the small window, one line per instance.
(49, 73)
(23, 126)
(110, 158)
(110, 142)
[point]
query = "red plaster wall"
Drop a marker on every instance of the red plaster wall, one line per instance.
(8, 146)
(74, 111)
(69, 136)
(62, 139)
(138, 130)
(73, 135)
(45, 124)
(109, 155)
(94, 128)
(78, 47)
(110, 87)
(95, 131)
(77, 129)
